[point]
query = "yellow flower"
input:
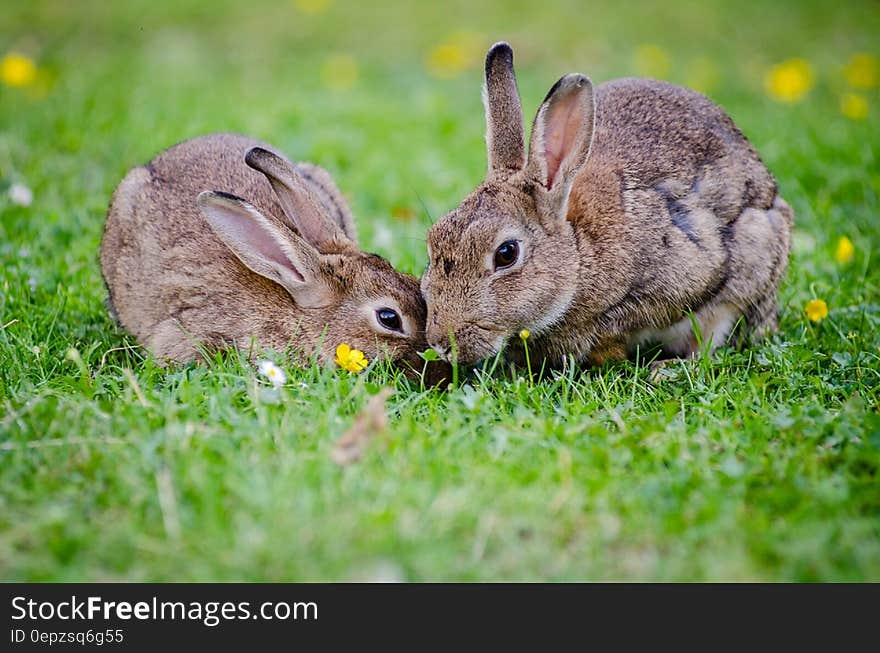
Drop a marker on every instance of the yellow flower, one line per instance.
(789, 81)
(312, 7)
(447, 61)
(350, 359)
(862, 71)
(854, 106)
(651, 61)
(524, 334)
(339, 72)
(17, 70)
(817, 310)
(459, 52)
(702, 74)
(845, 250)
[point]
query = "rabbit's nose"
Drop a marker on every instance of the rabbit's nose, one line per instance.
(439, 341)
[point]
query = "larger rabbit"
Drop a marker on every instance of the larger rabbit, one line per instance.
(638, 207)
(189, 264)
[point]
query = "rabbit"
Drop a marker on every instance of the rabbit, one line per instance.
(639, 205)
(189, 264)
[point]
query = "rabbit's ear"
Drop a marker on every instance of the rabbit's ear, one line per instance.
(300, 204)
(505, 138)
(562, 134)
(264, 248)
(330, 196)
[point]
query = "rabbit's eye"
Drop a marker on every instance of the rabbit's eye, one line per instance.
(506, 254)
(389, 319)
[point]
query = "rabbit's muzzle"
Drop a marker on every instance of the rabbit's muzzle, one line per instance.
(467, 344)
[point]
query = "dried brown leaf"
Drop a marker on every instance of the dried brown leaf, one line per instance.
(370, 422)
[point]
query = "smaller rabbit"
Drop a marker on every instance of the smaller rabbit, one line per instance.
(188, 266)
(637, 205)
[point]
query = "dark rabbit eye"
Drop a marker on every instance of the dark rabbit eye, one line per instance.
(389, 319)
(506, 254)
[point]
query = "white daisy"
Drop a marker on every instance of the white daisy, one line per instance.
(21, 195)
(271, 371)
(382, 236)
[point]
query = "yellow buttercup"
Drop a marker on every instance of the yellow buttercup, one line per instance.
(350, 359)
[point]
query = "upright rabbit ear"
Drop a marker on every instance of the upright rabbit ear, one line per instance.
(265, 249)
(330, 196)
(300, 204)
(505, 138)
(562, 134)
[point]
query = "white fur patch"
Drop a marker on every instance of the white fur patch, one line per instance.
(715, 324)
(556, 312)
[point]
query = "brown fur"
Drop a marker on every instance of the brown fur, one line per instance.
(639, 203)
(176, 285)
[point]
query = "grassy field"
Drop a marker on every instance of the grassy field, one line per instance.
(759, 464)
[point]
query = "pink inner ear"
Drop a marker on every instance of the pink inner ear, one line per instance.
(245, 233)
(264, 244)
(562, 124)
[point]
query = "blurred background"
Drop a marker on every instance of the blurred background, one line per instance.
(386, 95)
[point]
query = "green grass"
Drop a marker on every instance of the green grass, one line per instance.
(759, 464)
